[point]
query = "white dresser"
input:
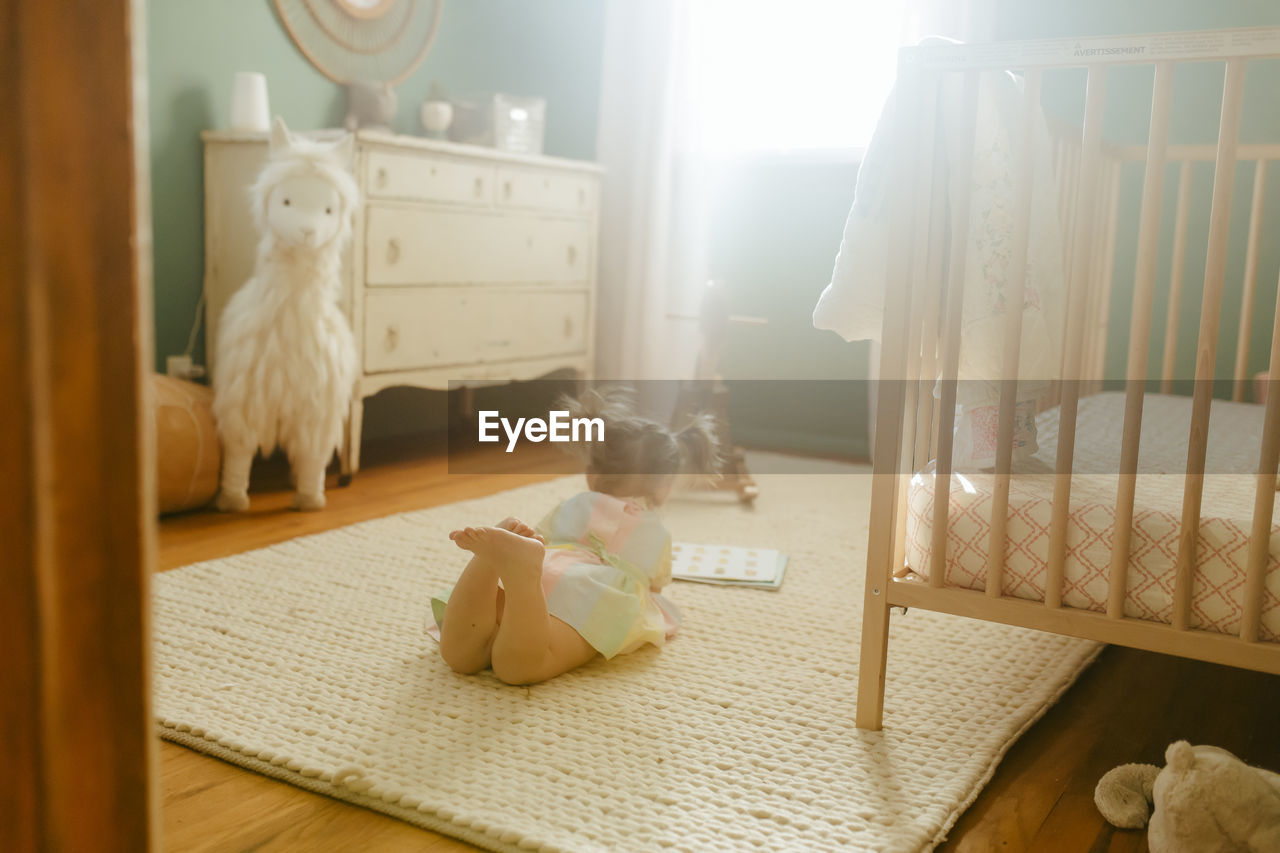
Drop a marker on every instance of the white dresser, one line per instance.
(467, 265)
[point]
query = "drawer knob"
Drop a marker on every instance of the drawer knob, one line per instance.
(479, 186)
(582, 197)
(572, 254)
(506, 190)
(393, 250)
(382, 178)
(568, 327)
(392, 339)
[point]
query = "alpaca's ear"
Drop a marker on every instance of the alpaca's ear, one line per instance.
(344, 150)
(1180, 756)
(280, 137)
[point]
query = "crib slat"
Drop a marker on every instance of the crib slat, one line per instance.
(1061, 146)
(1264, 499)
(1074, 334)
(1073, 199)
(1070, 187)
(1090, 292)
(887, 482)
(1093, 291)
(1175, 279)
(1140, 335)
(925, 410)
(1060, 175)
(1058, 146)
(1015, 298)
(929, 339)
(1108, 270)
(928, 201)
(1207, 341)
(1250, 282)
(951, 334)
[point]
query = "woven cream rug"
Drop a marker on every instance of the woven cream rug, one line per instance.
(307, 661)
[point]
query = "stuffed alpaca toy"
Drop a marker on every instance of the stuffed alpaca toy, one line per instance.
(1206, 801)
(286, 359)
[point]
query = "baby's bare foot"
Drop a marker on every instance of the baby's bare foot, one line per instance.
(498, 544)
(519, 528)
(517, 558)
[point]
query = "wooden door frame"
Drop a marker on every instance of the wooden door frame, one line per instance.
(76, 492)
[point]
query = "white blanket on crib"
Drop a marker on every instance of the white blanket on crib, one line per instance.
(852, 305)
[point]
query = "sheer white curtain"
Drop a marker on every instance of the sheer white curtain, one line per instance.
(650, 243)
(689, 85)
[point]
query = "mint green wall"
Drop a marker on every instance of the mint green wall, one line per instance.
(194, 47)
(1197, 95)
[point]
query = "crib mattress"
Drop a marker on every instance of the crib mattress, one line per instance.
(1226, 515)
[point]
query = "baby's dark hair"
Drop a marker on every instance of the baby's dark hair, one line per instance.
(638, 456)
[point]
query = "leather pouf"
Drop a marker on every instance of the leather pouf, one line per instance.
(188, 457)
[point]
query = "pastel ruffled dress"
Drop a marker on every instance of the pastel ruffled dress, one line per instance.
(606, 560)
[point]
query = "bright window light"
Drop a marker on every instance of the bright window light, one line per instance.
(803, 74)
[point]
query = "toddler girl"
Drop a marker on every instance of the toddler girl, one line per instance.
(536, 602)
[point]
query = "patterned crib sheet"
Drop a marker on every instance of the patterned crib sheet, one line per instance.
(1226, 515)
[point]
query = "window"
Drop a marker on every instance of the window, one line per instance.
(801, 74)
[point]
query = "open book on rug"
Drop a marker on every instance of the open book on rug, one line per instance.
(727, 565)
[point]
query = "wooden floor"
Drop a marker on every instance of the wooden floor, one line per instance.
(1127, 707)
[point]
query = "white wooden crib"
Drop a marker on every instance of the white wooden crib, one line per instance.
(915, 559)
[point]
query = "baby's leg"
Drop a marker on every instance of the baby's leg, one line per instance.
(475, 608)
(530, 645)
(471, 617)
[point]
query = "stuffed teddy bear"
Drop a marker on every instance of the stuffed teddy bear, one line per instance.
(1206, 801)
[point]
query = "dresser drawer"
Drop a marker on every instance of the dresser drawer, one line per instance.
(531, 189)
(408, 246)
(416, 178)
(442, 326)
